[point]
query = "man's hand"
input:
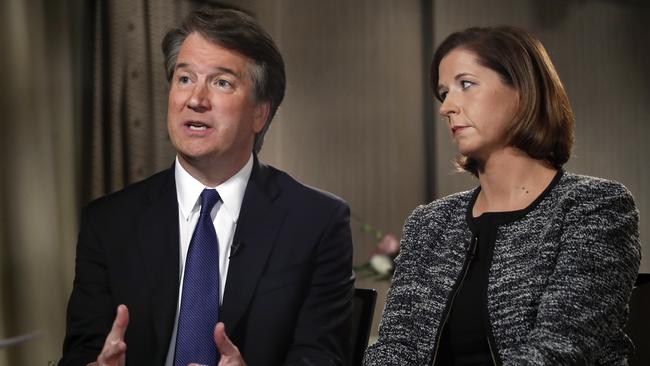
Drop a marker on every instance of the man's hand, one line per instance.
(114, 351)
(230, 355)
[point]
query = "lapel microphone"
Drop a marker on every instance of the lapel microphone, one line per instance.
(236, 247)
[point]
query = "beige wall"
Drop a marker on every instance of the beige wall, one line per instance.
(352, 118)
(600, 49)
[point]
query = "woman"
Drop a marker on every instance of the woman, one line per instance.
(533, 267)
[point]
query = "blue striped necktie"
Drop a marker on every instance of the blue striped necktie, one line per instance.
(199, 311)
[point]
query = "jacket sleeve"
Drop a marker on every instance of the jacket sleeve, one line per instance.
(90, 311)
(396, 345)
(322, 332)
(584, 306)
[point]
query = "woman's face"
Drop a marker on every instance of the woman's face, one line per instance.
(478, 105)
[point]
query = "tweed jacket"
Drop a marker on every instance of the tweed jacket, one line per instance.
(559, 282)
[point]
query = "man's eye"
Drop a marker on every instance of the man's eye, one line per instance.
(223, 83)
(184, 79)
(466, 84)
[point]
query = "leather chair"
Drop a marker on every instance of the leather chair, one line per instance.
(362, 314)
(638, 324)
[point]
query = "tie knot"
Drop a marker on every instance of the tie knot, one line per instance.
(209, 198)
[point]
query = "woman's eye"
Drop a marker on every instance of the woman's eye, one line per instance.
(442, 94)
(466, 84)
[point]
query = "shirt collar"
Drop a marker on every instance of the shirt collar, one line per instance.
(188, 190)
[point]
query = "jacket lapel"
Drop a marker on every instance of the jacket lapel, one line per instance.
(158, 241)
(259, 221)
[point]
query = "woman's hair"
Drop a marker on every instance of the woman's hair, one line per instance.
(543, 123)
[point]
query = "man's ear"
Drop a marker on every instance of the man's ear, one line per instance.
(262, 110)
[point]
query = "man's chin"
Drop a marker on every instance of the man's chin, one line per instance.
(197, 157)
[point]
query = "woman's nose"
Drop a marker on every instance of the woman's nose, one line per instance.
(448, 106)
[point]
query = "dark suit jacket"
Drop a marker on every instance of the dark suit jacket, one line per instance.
(289, 288)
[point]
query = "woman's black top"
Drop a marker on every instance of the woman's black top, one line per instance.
(466, 335)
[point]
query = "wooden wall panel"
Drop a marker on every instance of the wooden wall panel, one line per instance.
(351, 121)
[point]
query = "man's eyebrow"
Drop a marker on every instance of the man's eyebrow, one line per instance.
(219, 69)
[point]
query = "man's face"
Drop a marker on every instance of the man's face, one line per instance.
(211, 115)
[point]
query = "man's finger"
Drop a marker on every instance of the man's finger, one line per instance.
(119, 325)
(224, 345)
(112, 353)
(114, 347)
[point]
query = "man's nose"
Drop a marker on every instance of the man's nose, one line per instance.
(199, 100)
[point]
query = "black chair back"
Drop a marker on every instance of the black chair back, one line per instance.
(362, 313)
(637, 324)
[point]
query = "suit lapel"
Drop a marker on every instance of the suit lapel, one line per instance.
(158, 241)
(259, 221)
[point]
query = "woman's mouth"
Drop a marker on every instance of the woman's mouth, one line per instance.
(457, 129)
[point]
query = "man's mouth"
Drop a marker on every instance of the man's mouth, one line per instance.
(196, 125)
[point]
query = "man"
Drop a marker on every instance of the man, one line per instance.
(219, 257)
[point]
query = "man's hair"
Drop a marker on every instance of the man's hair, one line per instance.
(543, 125)
(237, 31)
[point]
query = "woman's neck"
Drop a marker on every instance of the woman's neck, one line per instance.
(511, 180)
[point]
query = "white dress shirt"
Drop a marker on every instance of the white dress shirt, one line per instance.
(224, 217)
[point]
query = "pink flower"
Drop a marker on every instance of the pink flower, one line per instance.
(388, 245)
